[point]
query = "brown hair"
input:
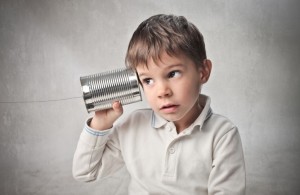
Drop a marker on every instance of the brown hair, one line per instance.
(165, 33)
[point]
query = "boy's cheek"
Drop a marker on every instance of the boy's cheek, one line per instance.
(149, 96)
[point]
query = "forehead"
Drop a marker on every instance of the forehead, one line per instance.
(165, 59)
(166, 62)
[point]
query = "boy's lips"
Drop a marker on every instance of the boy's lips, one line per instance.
(169, 108)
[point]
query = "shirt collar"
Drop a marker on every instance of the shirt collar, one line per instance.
(158, 121)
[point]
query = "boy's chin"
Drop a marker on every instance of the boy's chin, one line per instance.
(170, 117)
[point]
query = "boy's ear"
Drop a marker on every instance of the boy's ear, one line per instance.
(205, 71)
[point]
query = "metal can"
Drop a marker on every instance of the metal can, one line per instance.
(101, 90)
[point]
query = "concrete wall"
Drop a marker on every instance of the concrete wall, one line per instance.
(45, 46)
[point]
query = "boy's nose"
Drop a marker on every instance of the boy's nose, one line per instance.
(164, 90)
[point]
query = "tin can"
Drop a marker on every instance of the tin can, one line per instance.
(101, 90)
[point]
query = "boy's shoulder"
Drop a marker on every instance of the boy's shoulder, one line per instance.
(144, 112)
(218, 124)
(139, 116)
(133, 122)
(219, 118)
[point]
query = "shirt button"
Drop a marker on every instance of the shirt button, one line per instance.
(169, 128)
(172, 150)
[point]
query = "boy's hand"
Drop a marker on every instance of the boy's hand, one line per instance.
(104, 119)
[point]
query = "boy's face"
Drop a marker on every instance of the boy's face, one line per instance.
(172, 86)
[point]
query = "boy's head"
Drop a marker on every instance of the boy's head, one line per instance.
(168, 54)
(165, 33)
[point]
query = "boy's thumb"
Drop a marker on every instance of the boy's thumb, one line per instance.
(118, 108)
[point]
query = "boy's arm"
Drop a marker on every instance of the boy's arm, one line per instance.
(95, 155)
(97, 152)
(228, 170)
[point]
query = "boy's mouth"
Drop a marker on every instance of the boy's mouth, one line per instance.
(169, 107)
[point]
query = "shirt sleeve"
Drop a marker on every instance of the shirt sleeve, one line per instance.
(227, 176)
(96, 155)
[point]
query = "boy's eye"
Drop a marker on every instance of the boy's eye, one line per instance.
(147, 81)
(173, 74)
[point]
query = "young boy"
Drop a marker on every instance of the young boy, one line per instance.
(179, 146)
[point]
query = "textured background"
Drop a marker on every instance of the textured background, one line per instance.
(45, 46)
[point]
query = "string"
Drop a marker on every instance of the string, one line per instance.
(38, 101)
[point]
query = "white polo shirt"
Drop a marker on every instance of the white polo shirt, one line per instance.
(205, 158)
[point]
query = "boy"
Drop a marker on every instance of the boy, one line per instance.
(179, 146)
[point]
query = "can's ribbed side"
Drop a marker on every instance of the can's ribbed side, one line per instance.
(101, 90)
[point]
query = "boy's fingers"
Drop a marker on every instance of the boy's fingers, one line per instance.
(118, 108)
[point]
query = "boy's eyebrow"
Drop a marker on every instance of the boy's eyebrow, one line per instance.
(172, 66)
(167, 67)
(142, 74)
(175, 65)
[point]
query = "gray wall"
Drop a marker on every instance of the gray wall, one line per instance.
(45, 46)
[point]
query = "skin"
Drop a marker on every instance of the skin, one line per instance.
(171, 86)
